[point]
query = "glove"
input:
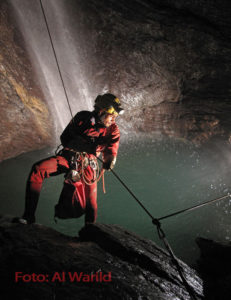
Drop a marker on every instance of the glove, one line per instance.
(109, 163)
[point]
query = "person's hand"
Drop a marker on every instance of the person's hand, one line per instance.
(109, 163)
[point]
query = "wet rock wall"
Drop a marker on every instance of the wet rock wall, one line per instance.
(168, 61)
(25, 118)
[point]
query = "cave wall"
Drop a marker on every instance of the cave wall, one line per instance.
(169, 62)
(25, 119)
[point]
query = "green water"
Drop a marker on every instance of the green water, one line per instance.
(165, 175)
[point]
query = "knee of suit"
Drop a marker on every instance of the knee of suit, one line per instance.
(43, 169)
(37, 174)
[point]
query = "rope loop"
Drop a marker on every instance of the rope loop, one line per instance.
(97, 174)
(156, 222)
(161, 233)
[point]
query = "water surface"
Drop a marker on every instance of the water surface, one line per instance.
(166, 176)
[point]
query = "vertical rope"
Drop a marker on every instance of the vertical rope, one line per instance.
(56, 59)
(154, 221)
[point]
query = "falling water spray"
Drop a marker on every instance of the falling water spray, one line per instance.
(33, 27)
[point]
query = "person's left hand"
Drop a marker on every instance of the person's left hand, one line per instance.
(109, 162)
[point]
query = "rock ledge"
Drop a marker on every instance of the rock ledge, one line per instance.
(106, 262)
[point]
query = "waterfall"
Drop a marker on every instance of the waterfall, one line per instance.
(33, 28)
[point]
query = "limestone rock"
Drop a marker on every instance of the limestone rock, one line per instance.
(215, 268)
(25, 119)
(169, 61)
(139, 269)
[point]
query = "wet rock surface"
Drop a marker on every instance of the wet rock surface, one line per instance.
(25, 120)
(215, 268)
(139, 269)
(168, 60)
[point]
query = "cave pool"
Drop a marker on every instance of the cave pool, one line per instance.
(166, 175)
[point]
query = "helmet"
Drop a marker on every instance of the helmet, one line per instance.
(108, 103)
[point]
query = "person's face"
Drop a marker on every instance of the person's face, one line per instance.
(109, 119)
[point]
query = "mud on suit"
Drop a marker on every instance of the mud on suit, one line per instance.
(84, 134)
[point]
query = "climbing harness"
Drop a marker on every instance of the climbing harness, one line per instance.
(79, 162)
(75, 176)
(98, 175)
(95, 167)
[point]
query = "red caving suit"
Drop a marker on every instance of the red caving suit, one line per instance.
(86, 134)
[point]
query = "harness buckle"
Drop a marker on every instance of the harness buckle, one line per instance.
(73, 175)
(93, 164)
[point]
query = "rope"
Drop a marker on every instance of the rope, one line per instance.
(65, 92)
(56, 59)
(154, 220)
(162, 236)
(83, 174)
(103, 180)
(97, 173)
(195, 207)
(161, 233)
(175, 261)
(98, 176)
